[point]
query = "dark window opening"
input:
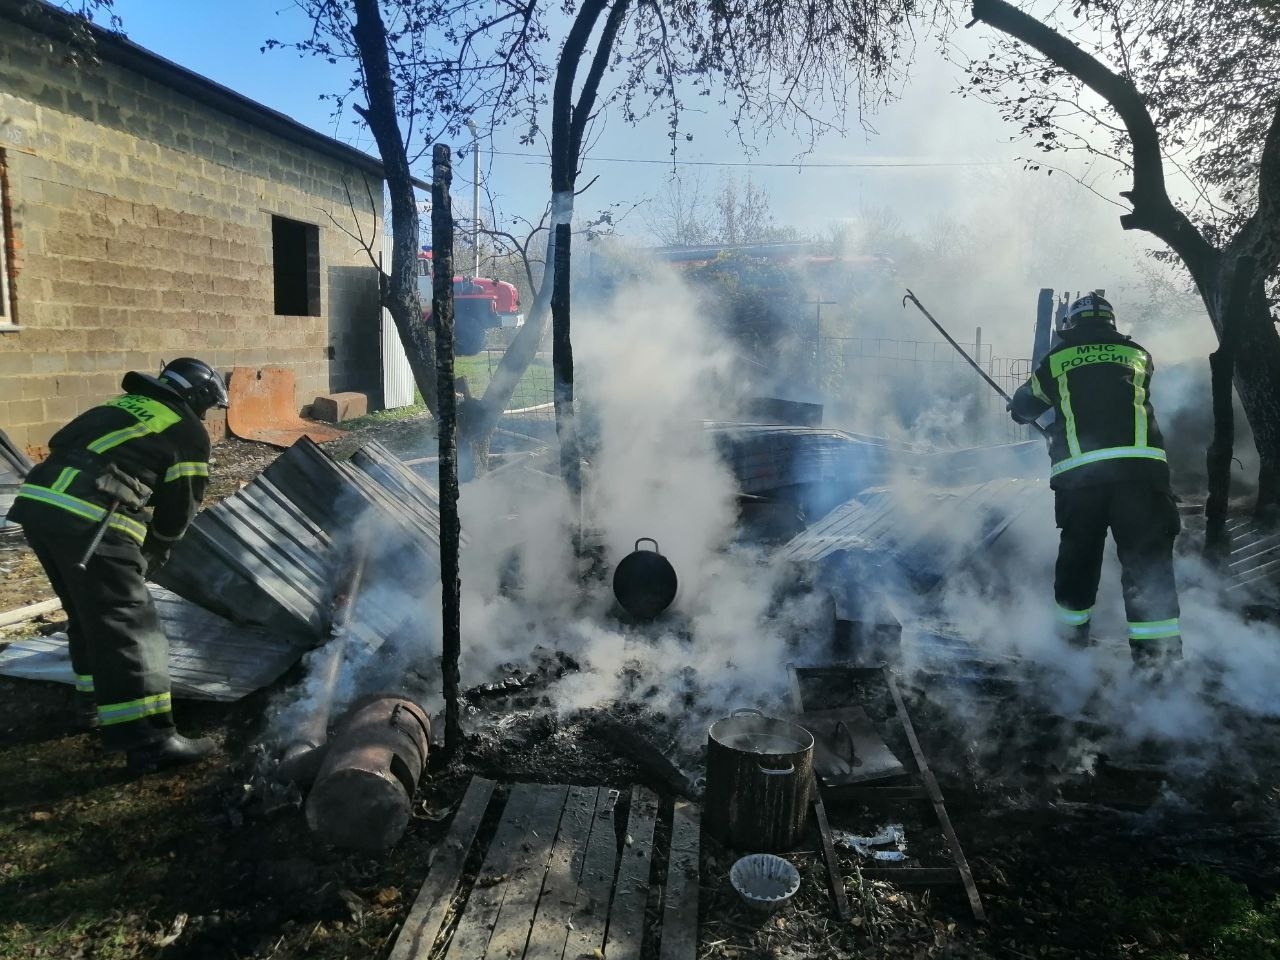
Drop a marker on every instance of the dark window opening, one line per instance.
(295, 260)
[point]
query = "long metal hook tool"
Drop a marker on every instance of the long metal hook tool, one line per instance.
(961, 350)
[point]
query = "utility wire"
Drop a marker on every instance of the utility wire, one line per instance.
(793, 165)
(536, 158)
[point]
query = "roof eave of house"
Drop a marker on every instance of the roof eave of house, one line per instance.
(114, 48)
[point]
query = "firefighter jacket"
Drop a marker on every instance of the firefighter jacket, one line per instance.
(1098, 382)
(151, 436)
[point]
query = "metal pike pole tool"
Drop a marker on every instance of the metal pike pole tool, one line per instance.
(961, 350)
(98, 534)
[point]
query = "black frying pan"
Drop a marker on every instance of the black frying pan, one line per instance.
(644, 581)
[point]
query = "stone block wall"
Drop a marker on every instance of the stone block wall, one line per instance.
(141, 230)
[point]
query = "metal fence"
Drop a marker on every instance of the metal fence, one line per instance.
(534, 393)
(915, 389)
(919, 389)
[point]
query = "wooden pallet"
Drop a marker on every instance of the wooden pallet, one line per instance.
(557, 881)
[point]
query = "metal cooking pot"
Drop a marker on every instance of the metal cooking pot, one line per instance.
(759, 781)
(644, 581)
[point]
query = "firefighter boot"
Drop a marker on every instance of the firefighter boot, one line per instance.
(1157, 661)
(174, 751)
(86, 711)
(1078, 637)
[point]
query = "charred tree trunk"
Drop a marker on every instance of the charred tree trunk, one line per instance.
(568, 126)
(446, 418)
(562, 366)
(398, 288)
(1218, 456)
(1257, 380)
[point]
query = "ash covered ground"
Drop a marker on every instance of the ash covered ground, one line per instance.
(1077, 853)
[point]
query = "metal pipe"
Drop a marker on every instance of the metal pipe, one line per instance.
(475, 195)
(302, 757)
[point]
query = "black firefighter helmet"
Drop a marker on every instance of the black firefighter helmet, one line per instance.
(196, 382)
(1091, 308)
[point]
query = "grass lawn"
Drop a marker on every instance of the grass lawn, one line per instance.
(534, 386)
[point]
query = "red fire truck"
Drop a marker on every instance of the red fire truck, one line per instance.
(479, 305)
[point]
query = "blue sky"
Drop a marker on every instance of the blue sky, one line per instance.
(930, 124)
(979, 183)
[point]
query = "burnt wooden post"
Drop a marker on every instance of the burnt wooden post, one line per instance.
(562, 364)
(1222, 365)
(447, 434)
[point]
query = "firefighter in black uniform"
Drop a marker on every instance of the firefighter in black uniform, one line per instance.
(1109, 472)
(145, 449)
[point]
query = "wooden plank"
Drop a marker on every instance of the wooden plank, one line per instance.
(935, 795)
(524, 887)
(560, 891)
(835, 877)
(29, 612)
(680, 906)
(906, 791)
(591, 906)
(914, 876)
(626, 916)
(476, 926)
(427, 915)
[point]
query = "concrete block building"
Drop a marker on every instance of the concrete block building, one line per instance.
(149, 213)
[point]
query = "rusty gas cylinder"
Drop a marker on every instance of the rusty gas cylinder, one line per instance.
(363, 795)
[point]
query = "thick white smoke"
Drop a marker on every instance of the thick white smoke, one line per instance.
(649, 370)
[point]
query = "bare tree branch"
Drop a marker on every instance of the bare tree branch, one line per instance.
(1153, 211)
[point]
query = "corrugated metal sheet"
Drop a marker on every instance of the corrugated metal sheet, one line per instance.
(920, 533)
(271, 553)
(406, 488)
(1027, 460)
(765, 457)
(1254, 562)
(210, 658)
(14, 464)
(257, 558)
(397, 376)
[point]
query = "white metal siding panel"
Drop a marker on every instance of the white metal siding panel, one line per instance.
(397, 377)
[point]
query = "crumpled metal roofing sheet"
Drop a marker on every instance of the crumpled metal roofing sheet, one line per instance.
(1026, 460)
(921, 531)
(256, 557)
(1254, 561)
(766, 457)
(270, 553)
(210, 658)
(14, 465)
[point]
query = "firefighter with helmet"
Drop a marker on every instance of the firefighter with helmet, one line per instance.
(144, 450)
(1109, 472)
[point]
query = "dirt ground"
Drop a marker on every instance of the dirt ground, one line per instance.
(195, 865)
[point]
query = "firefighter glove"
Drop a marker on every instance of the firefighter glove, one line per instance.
(123, 489)
(156, 554)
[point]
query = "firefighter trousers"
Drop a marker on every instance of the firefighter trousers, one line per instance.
(119, 652)
(1144, 523)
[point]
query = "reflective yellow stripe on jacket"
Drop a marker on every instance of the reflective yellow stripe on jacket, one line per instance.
(1061, 363)
(82, 508)
(190, 468)
(152, 416)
